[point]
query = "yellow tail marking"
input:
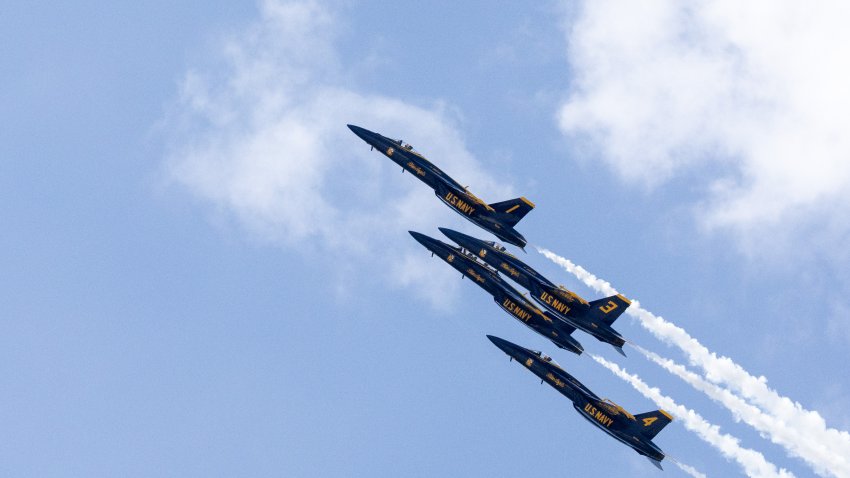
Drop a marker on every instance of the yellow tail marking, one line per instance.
(527, 202)
(624, 299)
(649, 421)
(611, 305)
(512, 209)
(666, 414)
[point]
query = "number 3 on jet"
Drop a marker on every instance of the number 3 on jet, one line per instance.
(608, 307)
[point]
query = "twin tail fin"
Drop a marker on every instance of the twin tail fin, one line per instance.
(650, 423)
(513, 209)
(609, 309)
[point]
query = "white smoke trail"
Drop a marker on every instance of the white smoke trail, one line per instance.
(768, 427)
(807, 425)
(689, 469)
(753, 462)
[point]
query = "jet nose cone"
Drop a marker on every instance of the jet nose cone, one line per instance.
(363, 133)
(461, 239)
(422, 239)
(453, 235)
(503, 344)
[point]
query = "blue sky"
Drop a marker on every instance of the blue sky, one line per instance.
(207, 274)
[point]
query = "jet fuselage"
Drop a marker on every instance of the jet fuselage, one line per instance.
(508, 298)
(559, 301)
(603, 414)
(457, 197)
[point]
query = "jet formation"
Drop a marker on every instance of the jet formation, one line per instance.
(508, 298)
(552, 311)
(594, 318)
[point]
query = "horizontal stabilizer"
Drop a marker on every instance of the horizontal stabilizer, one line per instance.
(608, 309)
(650, 423)
(656, 463)
(513, 209)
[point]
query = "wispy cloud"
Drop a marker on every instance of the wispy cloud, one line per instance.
(802, 432)
(752, 93)
(752, 462)
(261, 137)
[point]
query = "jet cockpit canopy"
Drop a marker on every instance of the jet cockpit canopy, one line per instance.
(496, 246)
(404, 145)
(546, 358)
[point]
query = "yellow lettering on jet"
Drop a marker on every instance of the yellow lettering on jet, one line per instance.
(475, 275)
(513, 308)
(555, 380)
(509, 269)
(459, 204)
(555, 303)
(599, 416)
(611, 305)
(529, 362)
(414, 167)
(649, 421)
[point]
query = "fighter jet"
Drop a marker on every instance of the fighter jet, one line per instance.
(506, 296)
(635, 431)
(594, 318)
(497, 218)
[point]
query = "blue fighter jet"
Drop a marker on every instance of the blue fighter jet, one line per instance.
(594, 318)
(634, 431)
(506, 296)
(497, 218)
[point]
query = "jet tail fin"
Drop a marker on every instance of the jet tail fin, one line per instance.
(650, 423)
(513, 209)
(608, 309)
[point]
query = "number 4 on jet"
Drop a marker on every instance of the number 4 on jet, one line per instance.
(634, 431)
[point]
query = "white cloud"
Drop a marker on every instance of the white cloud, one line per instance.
(747, 100)
(263, 138)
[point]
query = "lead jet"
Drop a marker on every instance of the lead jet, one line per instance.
(594, 318)
(497, 218)
(635, 431)
(506, 296)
